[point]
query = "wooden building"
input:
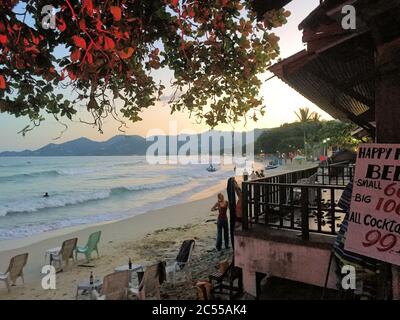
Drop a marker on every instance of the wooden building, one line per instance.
(354, 75)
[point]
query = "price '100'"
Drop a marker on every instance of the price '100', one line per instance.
(389, 205)
(374, 238)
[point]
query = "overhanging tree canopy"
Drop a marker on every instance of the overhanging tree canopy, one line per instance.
(215, 48)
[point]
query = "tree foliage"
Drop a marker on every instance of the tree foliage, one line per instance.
(304, 115)
(215, 49)
(289, 137)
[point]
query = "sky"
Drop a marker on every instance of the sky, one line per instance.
(280, 100)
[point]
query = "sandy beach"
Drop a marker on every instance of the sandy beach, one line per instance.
(145, 238)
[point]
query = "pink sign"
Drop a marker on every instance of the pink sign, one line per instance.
(374, 218)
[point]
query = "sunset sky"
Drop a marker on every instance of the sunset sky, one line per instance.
(280, 100)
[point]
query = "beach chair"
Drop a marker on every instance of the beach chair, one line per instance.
(223, 280)
(150, 282)
(312, 192)
(181, 262)
(92, 245)
(15, 270)
(66, 253)
(115, 287)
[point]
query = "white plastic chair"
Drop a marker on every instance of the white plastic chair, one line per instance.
(15, 270)
(180, 264)
(65, 254)
(115, 287)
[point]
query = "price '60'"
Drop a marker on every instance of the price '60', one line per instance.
(390, 205)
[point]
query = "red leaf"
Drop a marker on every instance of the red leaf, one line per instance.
(75, 55)
(224, 3)
(3, 39)
(116, 12)
(79, 42)
(99, 26)
(62, 26)
(35, 39)
(109, 43)
(191, 12)
(32, 49)
(174, 3)
(82, 25)
(126, 54)
(89, 58)
(2, 82)
(99, 41)
(71, 75)
(88, 4)
(19, 63)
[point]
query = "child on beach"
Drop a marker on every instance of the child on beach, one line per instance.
(222, 221)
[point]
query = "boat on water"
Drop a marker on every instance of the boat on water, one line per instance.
(270, 167)
(211, 168)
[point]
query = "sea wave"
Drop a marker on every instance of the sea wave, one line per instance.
(31, 205)
(22, 176)
(65, 172)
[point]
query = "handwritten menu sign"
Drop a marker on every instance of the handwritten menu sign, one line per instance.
(374, 217)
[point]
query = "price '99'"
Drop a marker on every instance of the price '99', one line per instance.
(374, 238)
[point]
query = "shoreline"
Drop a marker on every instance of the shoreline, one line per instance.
(18, 243)
(137, 237)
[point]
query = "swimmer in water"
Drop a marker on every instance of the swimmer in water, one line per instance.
(46, 195)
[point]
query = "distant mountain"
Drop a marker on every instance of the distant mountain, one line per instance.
(120, 145)
(116, 146)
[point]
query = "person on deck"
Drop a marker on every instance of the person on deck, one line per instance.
(222, 221)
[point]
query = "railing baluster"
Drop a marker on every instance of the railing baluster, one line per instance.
(245, 207)
(251, 196)
(333, 207)
(256, 202)
(291, 207)
(319, 209)
(305, 229)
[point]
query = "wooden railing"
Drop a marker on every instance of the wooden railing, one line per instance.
(336, 174)
(282, 202)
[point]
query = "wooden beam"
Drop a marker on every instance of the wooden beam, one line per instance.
(353, 118)
(346, 90)
(323, 31)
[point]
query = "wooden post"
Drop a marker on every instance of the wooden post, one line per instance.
(387, 116)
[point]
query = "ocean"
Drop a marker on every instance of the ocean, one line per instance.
(88, 190)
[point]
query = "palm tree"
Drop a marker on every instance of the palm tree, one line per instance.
(315, 117)
(304, 115)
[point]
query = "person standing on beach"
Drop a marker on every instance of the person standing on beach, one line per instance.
(222, 221)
